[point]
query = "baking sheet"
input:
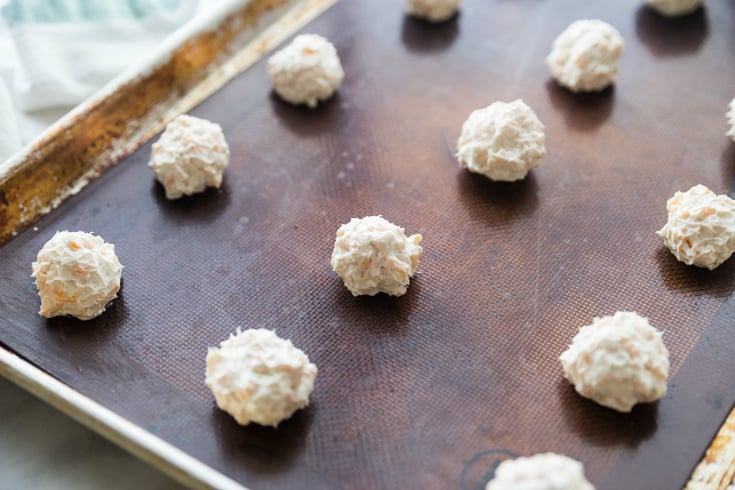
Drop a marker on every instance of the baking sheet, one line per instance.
(433, 388)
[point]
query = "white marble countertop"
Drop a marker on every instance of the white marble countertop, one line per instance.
(41, 448)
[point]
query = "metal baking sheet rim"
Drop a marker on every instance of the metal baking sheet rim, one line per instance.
(187, 67)
(714, 471)
(132, 438)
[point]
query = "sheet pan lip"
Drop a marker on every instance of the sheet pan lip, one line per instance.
(162, 53)
(239, 46)
(176, 463)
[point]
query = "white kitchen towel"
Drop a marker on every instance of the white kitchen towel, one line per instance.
(56, 53)
(10, 141)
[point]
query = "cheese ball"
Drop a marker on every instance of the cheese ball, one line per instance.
(306, 71)
(77, 274)
(584, 58)
(372, 255)
(433, 10)
(548, 471)
(674, 8)
(731, 119)
(256, 376)
(190, 156)
(618, 361)
(700, 229)
(502, 141)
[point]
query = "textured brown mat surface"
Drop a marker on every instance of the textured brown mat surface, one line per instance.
(431, 389)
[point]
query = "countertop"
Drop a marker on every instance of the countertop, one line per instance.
(41, 448)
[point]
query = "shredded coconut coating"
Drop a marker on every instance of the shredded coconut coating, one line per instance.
(585, 57)
(731, 119)
(700, 229)
(190, 156)
(674, 8)
(618, 361)
(77, 274)
(372, 255)
(433, 10)
(306, 71)
(548, 471)
(502, 141)
(256, 376)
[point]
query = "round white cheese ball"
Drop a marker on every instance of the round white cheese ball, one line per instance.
(673, 8)
(730, 115)
(700, 229)
(372, 255)
(584, 58)
(433, 10)
(306, 71)
(256, 376)
(618, 361)
(190, 156)
(502, 141)
(548, 471)
(77, 274)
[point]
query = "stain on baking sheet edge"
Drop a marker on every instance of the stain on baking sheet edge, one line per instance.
(134, 107)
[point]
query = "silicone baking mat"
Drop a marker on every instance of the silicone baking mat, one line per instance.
(432, 389)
